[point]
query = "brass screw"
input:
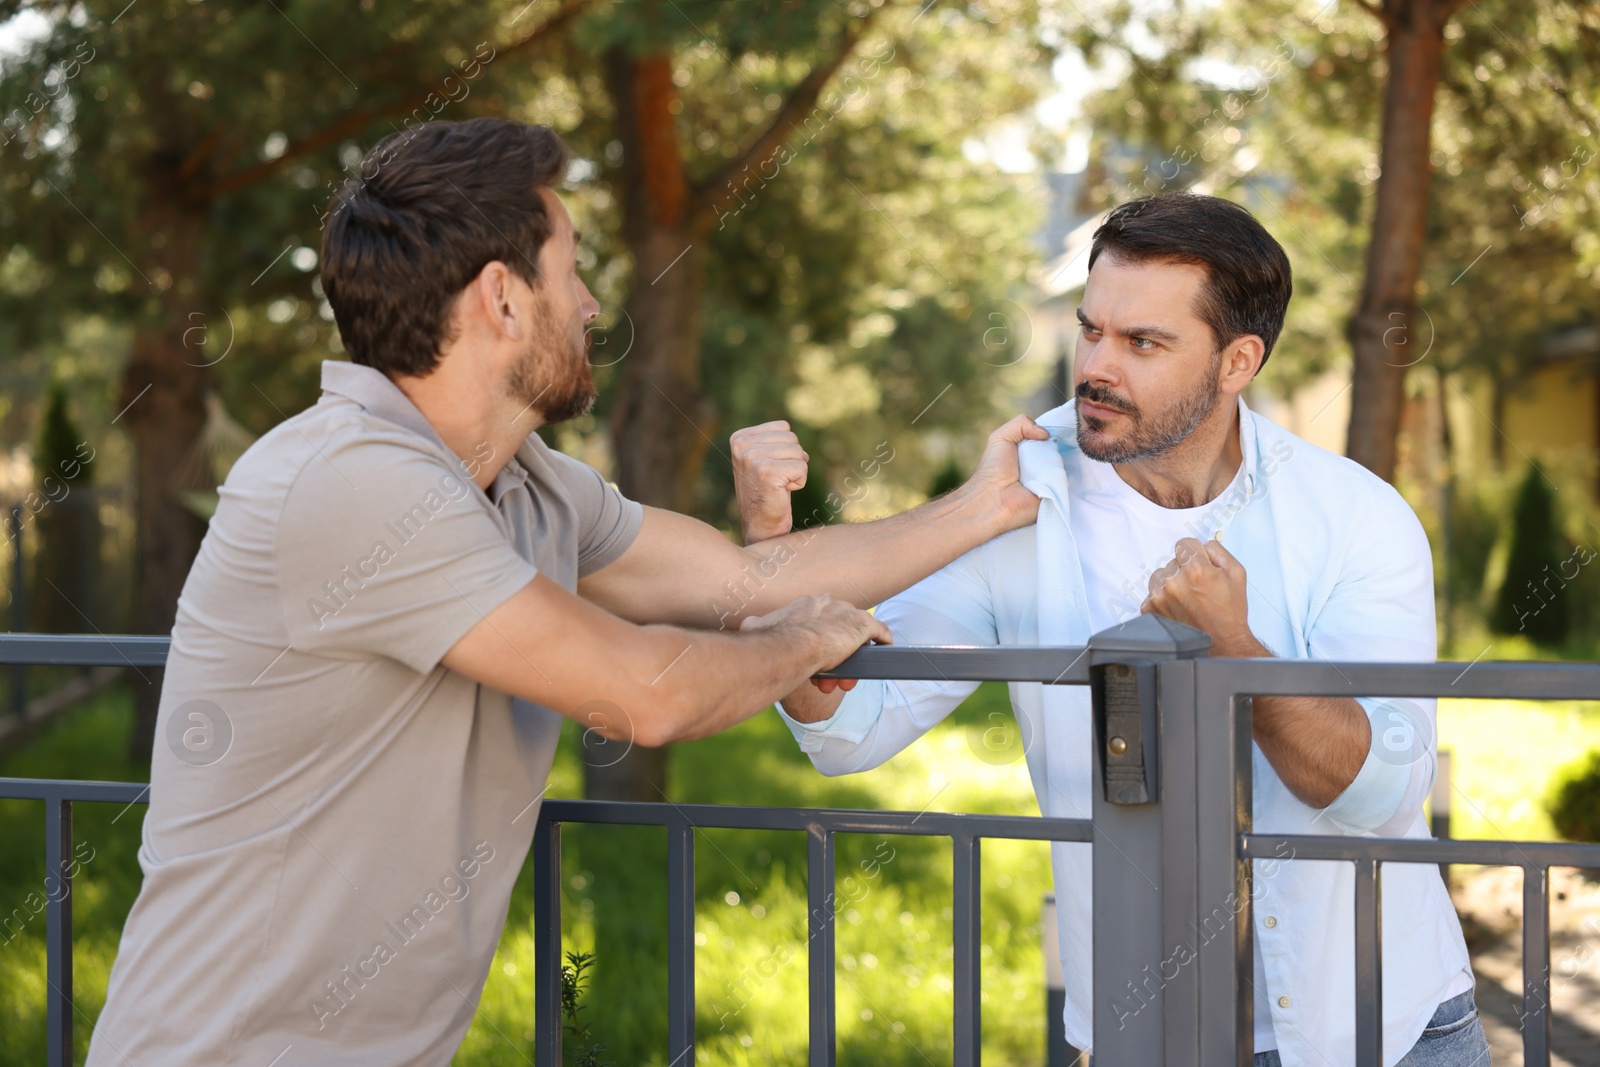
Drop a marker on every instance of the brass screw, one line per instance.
(1117, 746)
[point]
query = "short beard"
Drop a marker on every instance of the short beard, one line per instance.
(1164, 433)
(552, 377)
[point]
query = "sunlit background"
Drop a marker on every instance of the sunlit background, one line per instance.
(871, 218)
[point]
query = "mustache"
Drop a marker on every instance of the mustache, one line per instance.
(1098, 394)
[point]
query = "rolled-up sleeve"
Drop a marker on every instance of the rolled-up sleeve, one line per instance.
(1381, 610)
(878, 719)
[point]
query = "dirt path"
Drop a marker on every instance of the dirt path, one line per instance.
(1489, 900)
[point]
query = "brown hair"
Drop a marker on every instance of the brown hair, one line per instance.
(430, 207)
(1248, 280)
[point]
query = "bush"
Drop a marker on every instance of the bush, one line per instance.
(1574, 800)
(1527, 604)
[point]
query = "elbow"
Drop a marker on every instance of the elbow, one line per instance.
(654, 731)
(672, 717)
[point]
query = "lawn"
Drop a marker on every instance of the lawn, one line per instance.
(894, 956)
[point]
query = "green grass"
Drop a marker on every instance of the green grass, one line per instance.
(1504, 753)
(894, 956)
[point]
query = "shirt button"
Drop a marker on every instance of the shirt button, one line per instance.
(1272, 920)
(1283, 1002)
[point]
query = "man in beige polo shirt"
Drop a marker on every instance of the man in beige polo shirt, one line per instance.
(402, 593)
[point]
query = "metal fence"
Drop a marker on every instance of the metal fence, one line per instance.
(1173, 749)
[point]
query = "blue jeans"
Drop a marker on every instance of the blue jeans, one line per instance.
(1452, 1038)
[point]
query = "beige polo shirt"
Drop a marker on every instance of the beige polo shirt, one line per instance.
(335, 820)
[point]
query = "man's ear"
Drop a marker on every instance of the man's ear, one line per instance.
(1241, 362)
(493, 295)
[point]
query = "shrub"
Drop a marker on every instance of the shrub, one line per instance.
(1527, 602)
(1574, 799)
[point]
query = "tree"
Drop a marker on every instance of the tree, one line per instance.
(735, 152)
(66, 542)
(135, 140)
(1413, 49)
(1305, 133)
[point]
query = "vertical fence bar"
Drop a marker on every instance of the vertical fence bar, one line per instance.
(967, 909)
(1057, 1052)
(1180, 917)
(680, 944)
(1439, 806)
(1369, 965)
(1536, 966)
(1222, 812)
(58, 928)
(19, 613)
(547, 943)
(819, 944)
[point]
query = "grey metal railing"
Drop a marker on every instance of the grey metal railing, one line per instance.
(966, 832)
(1172, 748)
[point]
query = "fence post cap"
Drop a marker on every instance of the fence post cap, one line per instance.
(1149, 637)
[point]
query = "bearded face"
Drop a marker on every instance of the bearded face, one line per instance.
(553, 375)
(1151, 433)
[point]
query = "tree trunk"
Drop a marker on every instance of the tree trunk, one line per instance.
(162, 394)
(661, 422)
(1385, 335)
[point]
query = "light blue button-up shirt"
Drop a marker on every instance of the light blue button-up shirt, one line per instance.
(1339, 569)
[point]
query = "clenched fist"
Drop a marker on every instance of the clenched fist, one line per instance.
(1205, 587)
(768, 465)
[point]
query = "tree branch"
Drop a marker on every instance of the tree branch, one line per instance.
(357, 121)
(1377, 12)
(718, 190)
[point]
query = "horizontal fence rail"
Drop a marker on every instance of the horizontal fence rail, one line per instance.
(83, 650)
(681, 821)
(1194, 827)
(1231, 683)
(59, 796)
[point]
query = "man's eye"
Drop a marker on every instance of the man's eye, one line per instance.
(1143, 344)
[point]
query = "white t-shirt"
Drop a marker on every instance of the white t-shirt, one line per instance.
(1123, 538)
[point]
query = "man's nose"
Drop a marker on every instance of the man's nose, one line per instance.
(1097, 365)
(588, 306)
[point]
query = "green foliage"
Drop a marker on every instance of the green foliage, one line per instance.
(1474, 529)
(893, 933)
(1531, 599)
(1574, 799)
(949, 477)
(1293, 134)
(64, 596)
(61, 448)
(574, 974)
(878, 224)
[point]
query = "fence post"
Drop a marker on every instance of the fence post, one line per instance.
(1222, 811)
(1145, 999)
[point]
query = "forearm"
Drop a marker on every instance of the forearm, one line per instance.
(1316, 744)
(708, 681)
(809, 704)
(863, 563)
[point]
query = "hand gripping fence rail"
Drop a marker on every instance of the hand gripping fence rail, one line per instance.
(1171, 835)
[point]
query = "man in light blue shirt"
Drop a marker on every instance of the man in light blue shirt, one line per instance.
(1160, 491)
